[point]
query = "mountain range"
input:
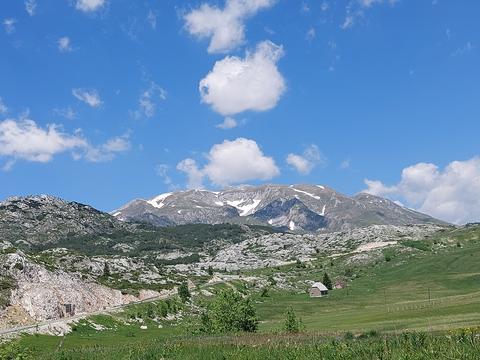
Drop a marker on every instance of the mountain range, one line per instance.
(300, 208)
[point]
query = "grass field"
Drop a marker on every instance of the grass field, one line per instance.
(430, 291)
(434, 289)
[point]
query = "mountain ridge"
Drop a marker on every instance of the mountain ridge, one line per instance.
(240, 205)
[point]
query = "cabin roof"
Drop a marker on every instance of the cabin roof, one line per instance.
(319, 286)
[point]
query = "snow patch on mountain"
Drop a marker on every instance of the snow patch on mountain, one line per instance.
(158, 202)
(307, 193)
(244, 206)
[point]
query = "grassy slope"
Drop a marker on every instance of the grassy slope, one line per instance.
(394, 295)
(452, 275)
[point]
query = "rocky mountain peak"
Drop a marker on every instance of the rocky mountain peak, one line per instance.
(322, 208)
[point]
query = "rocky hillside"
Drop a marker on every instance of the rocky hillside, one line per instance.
(296, 208)
(44, 219)
(37, 293)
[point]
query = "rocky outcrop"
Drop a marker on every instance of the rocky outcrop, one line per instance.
(279, 249)
(42, 294)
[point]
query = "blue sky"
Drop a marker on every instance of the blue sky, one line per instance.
(100, 99)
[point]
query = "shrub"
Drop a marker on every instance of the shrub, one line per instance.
(183, 292)
(229, 312)
(292, 324)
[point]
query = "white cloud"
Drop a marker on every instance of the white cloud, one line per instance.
(89, 97)
(67, 113)
(194, 174)
(311, 34)
(9, 25)
(468, 47)
(89, 5)
(450, 194)
(356, 9)
(225, 27)
(305, 163)
(231, 162)
(345, 164)
(3, 107)
(152, 18)
(23, 139)
(228, 123)
(31, 7)
(148, 101)
(108, 150)
(253, 83)
(64, 44)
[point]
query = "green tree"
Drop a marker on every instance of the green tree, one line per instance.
(292, 324)
(230, 312)
(210, 271)
(327, 281)
(183, 292)
(106, 269)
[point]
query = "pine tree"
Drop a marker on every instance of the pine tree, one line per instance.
(106, 270)
(327, 282)
(183, 292)
(292, 324)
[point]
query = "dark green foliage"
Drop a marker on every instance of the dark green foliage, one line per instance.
(145, 238)
(106, 270)
(229, 312)
(264, 292)
(183, 292)
(210, 271)
(292, 324)
(299, 264)
(272, 280)
(327, 281)
(6, 285)
(420, 245)
(13, 351)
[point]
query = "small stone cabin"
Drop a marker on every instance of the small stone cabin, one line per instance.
(68, 310)
(318, 290)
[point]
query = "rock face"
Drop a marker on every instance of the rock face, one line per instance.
(42, 293)
(41, 219)
(296, 207)
(279, 249)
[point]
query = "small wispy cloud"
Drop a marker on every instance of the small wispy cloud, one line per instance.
(305, 162)
(89, 6)
(468, 47)
(152, 18)
(90, 97)
(311, 34)
(9, 25)
(228, 123)
(64, 44)
(67, 113)
(3, 107)
(149, 99)
(31, 7)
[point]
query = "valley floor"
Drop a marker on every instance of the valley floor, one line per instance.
(419, 304)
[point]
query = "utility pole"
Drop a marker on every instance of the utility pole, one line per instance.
(429, 297)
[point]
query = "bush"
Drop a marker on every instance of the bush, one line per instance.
(183, 292)
(292, 324)
(229, 312)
